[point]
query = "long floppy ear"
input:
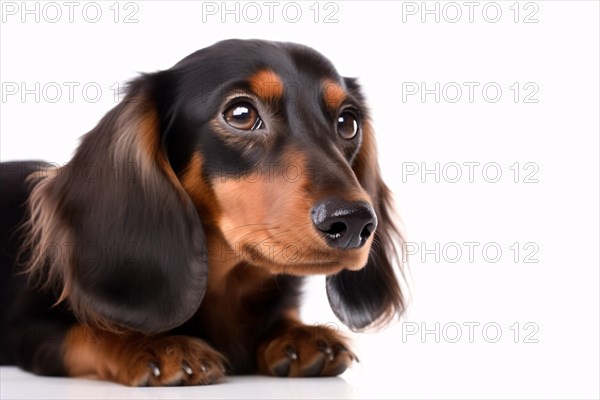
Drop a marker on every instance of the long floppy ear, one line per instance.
(114, 230)
(372, 295)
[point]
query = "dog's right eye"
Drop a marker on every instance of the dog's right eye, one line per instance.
(243, 116)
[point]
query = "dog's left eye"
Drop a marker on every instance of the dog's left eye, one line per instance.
(243, 116)
(347, 125)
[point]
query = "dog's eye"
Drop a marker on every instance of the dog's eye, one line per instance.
(347, 126)
(243, 116)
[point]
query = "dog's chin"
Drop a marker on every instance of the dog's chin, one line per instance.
(303, 260)
(358, 262)
(329, 266)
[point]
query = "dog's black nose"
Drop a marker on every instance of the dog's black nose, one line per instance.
(345, 225)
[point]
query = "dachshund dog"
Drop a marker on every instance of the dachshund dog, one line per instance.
(171, 249)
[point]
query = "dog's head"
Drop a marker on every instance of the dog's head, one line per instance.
(254, 151)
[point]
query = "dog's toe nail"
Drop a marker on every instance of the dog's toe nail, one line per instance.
(326, 349)
(154, 369)
(291, 352)
(204, 367)
(186, 367)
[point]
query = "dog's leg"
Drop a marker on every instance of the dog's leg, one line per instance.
(295, 349)
(34, 345)
(137, 360)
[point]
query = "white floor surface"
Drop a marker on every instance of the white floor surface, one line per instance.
(16, 384)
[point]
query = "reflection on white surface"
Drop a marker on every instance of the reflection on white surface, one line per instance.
(16, 384)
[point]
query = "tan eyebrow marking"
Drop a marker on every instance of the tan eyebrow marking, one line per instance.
(267, 85)
(333, 94)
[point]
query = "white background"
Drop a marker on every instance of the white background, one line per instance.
(392, 51)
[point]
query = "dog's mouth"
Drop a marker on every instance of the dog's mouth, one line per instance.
(295, 258)
(284, 249)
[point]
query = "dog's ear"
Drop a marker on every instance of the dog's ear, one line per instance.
(373, 295)
(114, 229)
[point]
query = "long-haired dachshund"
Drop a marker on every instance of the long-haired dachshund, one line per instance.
(171, 248)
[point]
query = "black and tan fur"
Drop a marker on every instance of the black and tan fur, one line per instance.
(171, 249)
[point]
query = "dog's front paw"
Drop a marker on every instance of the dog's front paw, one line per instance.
(303, 350)
(170, 361)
